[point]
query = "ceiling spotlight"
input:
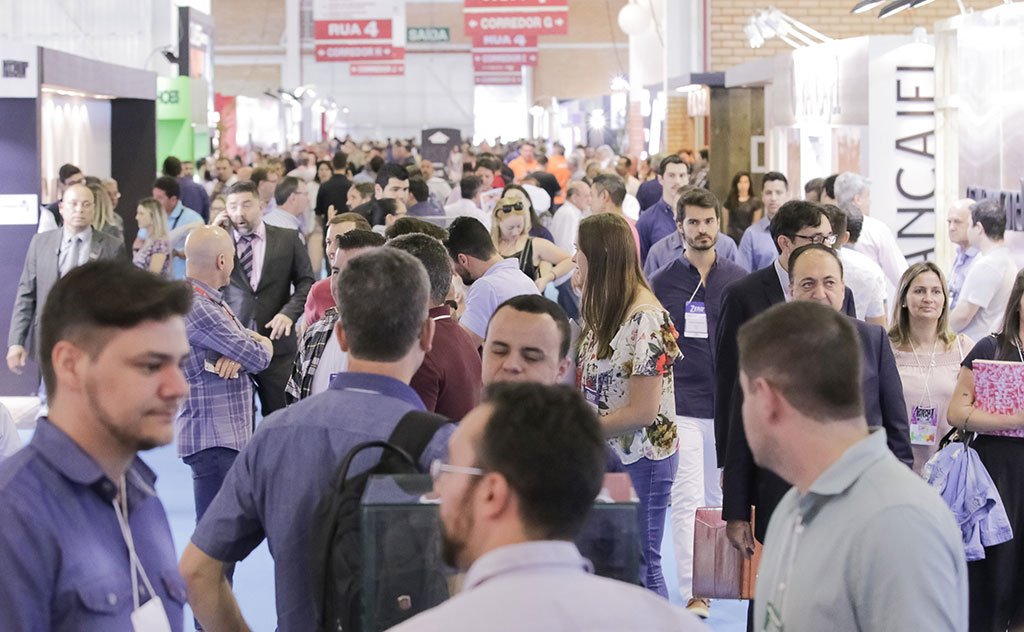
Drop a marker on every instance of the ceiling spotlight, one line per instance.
(865, 5)
(893, 8)
(169, 56)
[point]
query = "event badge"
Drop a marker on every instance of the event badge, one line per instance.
(695, 320)
(151, 617)
(924, 424)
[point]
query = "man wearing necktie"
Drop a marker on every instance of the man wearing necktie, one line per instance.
(268, 286)
(51, 255)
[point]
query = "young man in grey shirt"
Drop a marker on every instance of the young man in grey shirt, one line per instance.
(859, 542)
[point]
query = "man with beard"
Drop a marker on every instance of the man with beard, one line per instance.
(691, 288)
(491, 279)
(84, 539)
(523, 472)
(658, 221)
(268, 287)
(280, 476)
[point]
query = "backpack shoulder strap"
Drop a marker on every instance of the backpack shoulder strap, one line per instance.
(415, 430)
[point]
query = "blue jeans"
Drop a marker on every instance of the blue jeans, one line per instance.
(652, 481)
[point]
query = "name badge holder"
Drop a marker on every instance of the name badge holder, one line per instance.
(924, 422)
(150, 616)
(695, 318)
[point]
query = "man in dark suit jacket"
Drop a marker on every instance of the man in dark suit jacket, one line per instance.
(816, 275)
(51, 255)
(268, 287)
(334, 192)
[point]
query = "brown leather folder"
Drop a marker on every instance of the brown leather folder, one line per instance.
(719, 570)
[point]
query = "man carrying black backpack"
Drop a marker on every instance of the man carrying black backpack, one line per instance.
(283, 474)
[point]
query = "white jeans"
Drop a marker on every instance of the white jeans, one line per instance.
(697, 484)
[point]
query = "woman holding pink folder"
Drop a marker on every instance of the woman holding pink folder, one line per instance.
(991, 406)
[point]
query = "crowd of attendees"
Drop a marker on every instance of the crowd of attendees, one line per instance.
(772, 354)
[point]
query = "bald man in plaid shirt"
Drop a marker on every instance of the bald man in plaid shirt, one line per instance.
(217, 420)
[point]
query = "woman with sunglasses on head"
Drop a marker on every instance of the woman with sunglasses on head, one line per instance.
(625, 358)
(536, 228)
(539, 258)
(996, 582)
(928, 355)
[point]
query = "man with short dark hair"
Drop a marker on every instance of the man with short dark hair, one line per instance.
(181, 220)
(860, 542)
(369, 172)
(266, 181)
(334, 192)
(670, 248)
(491, 278)
(757, 247)
(84, 539)
(690, 287)
(320, 358)
(67, 176)
(813, 188)
(528, 340)
(224, 177)
(193, 195)
(425, 205)
(52, 255)
(392, 182)
(987, 286)
(274, 489)
(659, 220)
(524, 469)
(268, 287)
(469, 205)
(448, 381)
(607, 194)
(291, 197)
(319, 299)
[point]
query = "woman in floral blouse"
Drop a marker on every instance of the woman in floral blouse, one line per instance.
(625, 360)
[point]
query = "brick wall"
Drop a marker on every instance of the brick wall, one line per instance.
(831, 17)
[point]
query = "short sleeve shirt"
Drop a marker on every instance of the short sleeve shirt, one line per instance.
(501, 282)
(645, 345)
(150, 248)
(988, 285)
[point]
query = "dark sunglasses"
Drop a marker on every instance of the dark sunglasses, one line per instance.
(509, 208)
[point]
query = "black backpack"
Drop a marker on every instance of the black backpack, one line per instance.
(337, 542)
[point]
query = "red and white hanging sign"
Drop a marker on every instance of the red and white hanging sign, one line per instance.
(368, 69)
(505, 41)
(368, 30)
(498, 79)
(512, 17)
(358, 52)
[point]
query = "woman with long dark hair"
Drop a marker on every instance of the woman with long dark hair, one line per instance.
(742, 208)
(996, 582)
(625, 360)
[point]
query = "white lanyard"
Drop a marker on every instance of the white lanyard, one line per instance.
(1016, 343)
(926, 373)
(133, 559)
(695, 290)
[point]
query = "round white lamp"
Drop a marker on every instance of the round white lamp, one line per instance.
(634, 19)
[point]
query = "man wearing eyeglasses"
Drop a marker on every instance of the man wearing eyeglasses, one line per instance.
(52, 255)
(523, 471)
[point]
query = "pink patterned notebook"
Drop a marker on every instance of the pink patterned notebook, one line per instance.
(999, 388)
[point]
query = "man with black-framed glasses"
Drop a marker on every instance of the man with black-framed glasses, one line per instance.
(523, 470)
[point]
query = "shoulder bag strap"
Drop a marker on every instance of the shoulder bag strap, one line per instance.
(415, 430)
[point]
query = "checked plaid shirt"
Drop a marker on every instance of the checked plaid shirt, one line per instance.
(218, 413)
(311, 348)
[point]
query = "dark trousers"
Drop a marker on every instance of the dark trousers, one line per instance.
(271, 382)
(997, 582)
(209, 469)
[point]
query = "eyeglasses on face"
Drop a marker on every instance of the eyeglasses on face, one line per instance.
(827, 240)
(438, 467)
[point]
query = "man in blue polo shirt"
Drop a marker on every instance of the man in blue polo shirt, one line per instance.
(757, 250)
(659, 221)
(181, 220)
(670, 248)
(84, 540)
(691, 289)
(273, 489)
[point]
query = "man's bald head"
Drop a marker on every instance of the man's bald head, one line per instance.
(210, 255)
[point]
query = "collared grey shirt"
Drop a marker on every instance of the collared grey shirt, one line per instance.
(870, 546)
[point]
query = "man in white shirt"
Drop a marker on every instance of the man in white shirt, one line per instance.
(525, 467)
(471, 188)
(491, 279)
(566, 221)
(439, 187)
(989, 280)
(877, 240)
(862, 275)
(292, 200)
